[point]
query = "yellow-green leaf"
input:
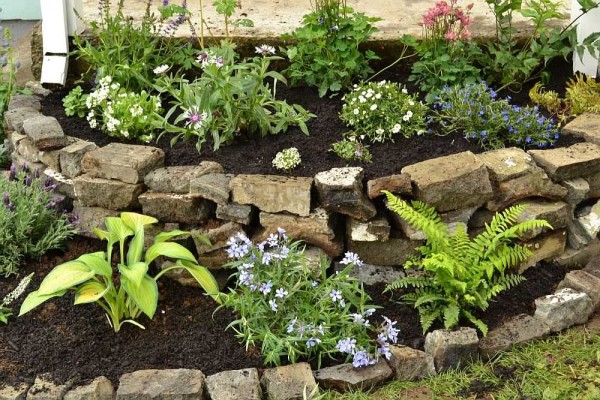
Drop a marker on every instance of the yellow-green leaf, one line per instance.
(169, 249)
(135, 272)
(90, 292)
(164, 236)
(203, 276)
(102, 235)
(34, 299)
(65, 276)
(117, 229)
(145, 295)
(137, 221)
(97, 263)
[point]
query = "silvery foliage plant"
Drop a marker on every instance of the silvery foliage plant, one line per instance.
(5, 310)
(294, 309)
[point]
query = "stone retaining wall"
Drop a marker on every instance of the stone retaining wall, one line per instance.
(337, 211)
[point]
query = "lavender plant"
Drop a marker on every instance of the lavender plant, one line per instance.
(31, 220)
(5, 310)
(294, 310)
(477, 111)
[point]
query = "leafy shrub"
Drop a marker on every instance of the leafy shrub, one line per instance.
(298, 311)
(326, 51)
(446, 55)
(378, 111)
(228, 98)
(5, 310)
(31, 223)
(287, 159)
(582, 95)
(75, 102)
(477, 111)
(461, 274)
(92, 278)
(351, 149)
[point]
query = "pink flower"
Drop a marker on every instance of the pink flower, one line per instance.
(450, 35)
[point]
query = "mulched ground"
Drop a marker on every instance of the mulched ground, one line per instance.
(325, 129)
(75, 343)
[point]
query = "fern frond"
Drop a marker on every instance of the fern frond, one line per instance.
(451, 316)
(429, 297)
(427, 316)
(475, 321)
(409, 281)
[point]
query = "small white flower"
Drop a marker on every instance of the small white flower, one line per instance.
(356, 111)
(396, 128)
(265, 50)
(378, 96)
(404, 91)
(373, 107)
(161, 69)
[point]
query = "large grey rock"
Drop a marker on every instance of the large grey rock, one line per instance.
(45, 132)
(398, 184)
(410, 364)
(452, 349)
(218, 236)
(544, 247)
(124, 162)
(395, 251)
(518, 329)
(451, 182)
(213, 187)
(240, 213)
(91, 217)
(577, 190)
(341, 190)
(50, 158)
(579, 257)
(289, 382)
(316, 229)
(563, 309)
(373, 274)
(99, 389)
(65, 186)
(593, 265)
(377, 229)
(106, 193)
(564, 163)
(71, 155)
(171, 207)
(14, 118)
(507, 164)
(584, 282)
(177, 179)
(167, 384)
(44, 389)
(345, 377)
(586, 126)
(273, 194)
(19, 100)
(16, 392)
(556, 214)
(589, 223)
(242, 384)
(593, 181)
(37, 88)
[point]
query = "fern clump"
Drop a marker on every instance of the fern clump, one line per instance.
(582, 95)
(461, 274)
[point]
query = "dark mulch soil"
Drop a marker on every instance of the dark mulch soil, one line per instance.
(258, 153)
(75, 342)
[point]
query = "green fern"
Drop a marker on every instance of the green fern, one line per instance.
(461, 274)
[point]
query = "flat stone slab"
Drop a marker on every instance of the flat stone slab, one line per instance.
(586, 126)
(45, 132)
(273, 194)
(213, 187)
(71, 155)
(563, 309)
(544, 247)
(585, 282)
(398, 184)
(124, 162)
(106, 193)
(65, 186)
(507, 164)
(577, 190)
(452, 349)
(377, 229)
(518, 329)
(240, 213)
(17, 392)
(218, 237)
(19, 100)
(345, 377)
(579, 257)
(451, 182)
(242, 384)
(91, 217)
(394, 251)
(564, 163)
(14, 118)
(176, 179)
(166, 384)
(44, 389)
(409, 364)
(373, 274)
(556, 214)
(99, 389)
(172, 207)
(289, 382)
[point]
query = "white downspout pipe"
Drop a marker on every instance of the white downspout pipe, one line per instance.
(587, 25)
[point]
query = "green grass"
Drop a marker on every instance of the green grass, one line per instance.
(562, 367)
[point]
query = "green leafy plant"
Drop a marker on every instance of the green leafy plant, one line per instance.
(287, 159)
(5, 310)
(582, 95)
(229, 98)
(379, 111)
(352, 149)
(3, 155)
(476, 111)
(326, 51)
(295, 310)
(132, 291)
(75, 102)
(461, 274)
(31, 221)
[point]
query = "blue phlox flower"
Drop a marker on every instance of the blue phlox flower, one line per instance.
(346, 345)
(351, 258)
(362, 359)
(265, 288)
(273, 305)
(290, 327)
(312, 342)
(281, 293)
(384, 350)
(335, 295)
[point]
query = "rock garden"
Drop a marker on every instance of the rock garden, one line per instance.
(192, 221)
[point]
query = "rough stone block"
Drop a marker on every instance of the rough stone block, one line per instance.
(16, 392)
(507, 164)
(28, 151)
(99, 389)
(66, 186)
(584, 282)
(124, 162)
(45, 132)
(593, 265)
(345, 377)
(273, 194)
(171, 207)
(451, 182)
(14, 118)
(586, 126)
(37, 88)
(70, 157)
(452, 349)
(176, 179)
(377, 229)
(556, 214)
(240, 213)
(564, 163)
(341, 191)
(373, 274)
(44, 389)
(518, 329)
(50, 158)
(577, 258)
(218, 237)
(577, 190)
(563, 309)
(395, 251)
(410, 364)
(398, 184)
(289, 382)
(213, 187)
(19, 100)
(545, 247)
(242, 384)
(167, 384)
(106, 193)
(91, 217)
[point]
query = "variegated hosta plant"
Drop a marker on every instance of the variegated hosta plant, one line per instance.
(134, 291)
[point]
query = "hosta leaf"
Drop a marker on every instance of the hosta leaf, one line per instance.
(97, 263)
(144, 295)
(169, 249)
(117, 229)
(65, 276)
(34, 299)
(135, 272)
(90, 292)
(165, 236)
(203, 276)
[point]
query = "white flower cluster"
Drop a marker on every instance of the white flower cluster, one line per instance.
(287, 159)
(18, 291)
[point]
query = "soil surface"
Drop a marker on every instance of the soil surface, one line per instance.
(75, 343)
(258, 153)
